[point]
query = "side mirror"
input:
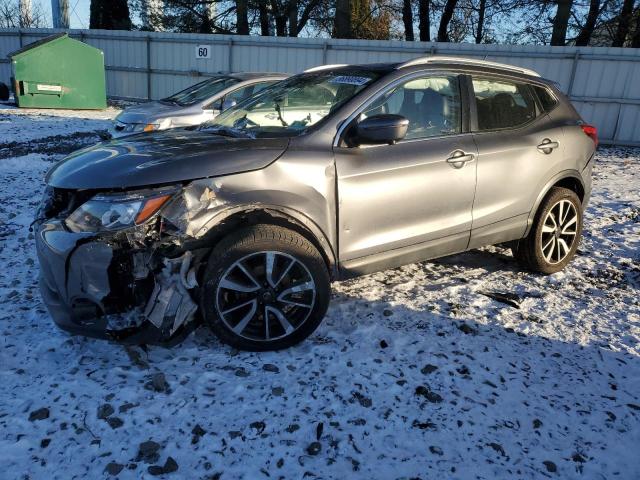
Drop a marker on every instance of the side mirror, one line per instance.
(381, 129)
(228, 103)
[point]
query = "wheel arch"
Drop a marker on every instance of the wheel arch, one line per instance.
(244, 215)
(569, 179)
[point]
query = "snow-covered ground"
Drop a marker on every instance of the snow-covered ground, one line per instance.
(418, 372)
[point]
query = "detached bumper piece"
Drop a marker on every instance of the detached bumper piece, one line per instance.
(170, 305)
(112, 286)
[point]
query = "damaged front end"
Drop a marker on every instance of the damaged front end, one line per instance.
(113, 266)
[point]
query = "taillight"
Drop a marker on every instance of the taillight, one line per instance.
(591, 132)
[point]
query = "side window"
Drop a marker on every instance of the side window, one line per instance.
(502, 104)
(257, 87)
(547, 99)
(240, 94)
(431, 104)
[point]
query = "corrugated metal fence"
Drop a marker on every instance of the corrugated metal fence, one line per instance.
(603, 83)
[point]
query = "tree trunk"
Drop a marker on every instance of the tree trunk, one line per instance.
(482, 8)
(407, 18)
(425, 21)
(624, 21)
(587, 30)
(561, 22)
(281, 19)
(293, 18)
(342, 22)
(264, 19)
(447, 14)
(242, 19)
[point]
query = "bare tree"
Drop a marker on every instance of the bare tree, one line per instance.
(11, 15)
(407, 19)
(151, 15)
(624, 22)
(343, 19)
(242, 17)
(424, 20)
(293, 18)
(589, 25)
(482, 10)
(635, 40)
(263, 12)
(447, 14)
(561, 22)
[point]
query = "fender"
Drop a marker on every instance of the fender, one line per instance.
(290, 214)
(570, 173)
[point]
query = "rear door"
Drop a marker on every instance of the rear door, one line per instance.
(519, 147)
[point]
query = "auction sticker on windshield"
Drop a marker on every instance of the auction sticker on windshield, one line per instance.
(349, 80)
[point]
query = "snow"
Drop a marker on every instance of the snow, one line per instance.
(416, 372)
(31, 124)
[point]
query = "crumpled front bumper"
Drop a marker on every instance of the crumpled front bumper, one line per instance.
(93, 285)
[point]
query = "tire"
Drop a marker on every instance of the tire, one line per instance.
(549, 252)
(264, 271)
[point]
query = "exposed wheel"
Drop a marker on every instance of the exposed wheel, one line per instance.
(555, 234)
(265, 288)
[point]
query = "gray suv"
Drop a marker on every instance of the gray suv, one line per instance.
(340, 171)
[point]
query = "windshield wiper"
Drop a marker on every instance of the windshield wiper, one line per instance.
(225, 131)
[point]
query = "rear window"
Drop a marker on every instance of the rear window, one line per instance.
(547, 99)
(502, 103)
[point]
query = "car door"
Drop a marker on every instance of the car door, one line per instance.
(518, 145)
(404, 198)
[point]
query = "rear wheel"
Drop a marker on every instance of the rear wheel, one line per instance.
(555, 234)
(265, 288)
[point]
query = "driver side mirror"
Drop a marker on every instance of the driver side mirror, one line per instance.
(380, 129)
(227, 103)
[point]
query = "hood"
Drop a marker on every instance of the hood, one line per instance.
(160, 158)
(150, 111)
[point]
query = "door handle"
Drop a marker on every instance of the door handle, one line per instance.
(547, 146)
(459, 158)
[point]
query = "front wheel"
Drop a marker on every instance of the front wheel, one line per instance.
(555, 234)
(265, 288)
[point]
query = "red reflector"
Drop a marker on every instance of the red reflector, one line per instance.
(591, 132)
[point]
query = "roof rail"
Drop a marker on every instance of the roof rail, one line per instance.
(324, 67)
(466, 61)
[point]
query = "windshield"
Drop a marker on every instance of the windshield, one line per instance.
(292, 106)
(201, 91)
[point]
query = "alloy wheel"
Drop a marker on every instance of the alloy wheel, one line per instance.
(559, 231)
(265, 296)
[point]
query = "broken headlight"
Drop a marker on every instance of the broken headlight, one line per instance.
(111, 212)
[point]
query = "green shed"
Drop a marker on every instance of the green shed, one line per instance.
(59, 72)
